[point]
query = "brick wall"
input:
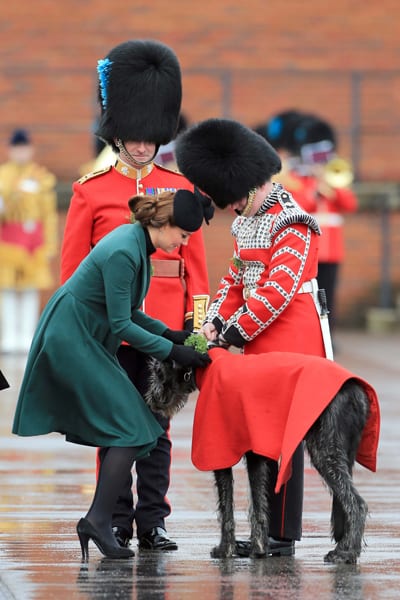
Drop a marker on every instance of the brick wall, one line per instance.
(244, 60)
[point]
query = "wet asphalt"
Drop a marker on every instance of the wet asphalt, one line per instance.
(47, 485)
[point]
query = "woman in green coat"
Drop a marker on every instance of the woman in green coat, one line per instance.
(73, 383)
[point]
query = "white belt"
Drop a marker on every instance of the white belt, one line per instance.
(308, 287)
(329, 219)
(311, 287)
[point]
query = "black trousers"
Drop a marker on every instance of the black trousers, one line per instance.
(286, 508)
(327, 279)
(152, 472)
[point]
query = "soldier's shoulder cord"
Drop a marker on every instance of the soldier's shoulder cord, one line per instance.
(94, 174)
(292, 213)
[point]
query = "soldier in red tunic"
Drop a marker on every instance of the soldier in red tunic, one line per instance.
(268, 301)
(327, 180)
(140, 94)
(319, 181)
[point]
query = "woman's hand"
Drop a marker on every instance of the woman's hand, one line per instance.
(177, 336)
(186, 356)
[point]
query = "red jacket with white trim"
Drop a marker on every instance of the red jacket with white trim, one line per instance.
(275, 252)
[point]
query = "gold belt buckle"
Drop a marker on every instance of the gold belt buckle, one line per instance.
(246, 293)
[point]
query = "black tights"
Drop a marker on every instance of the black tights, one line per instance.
(115, 468)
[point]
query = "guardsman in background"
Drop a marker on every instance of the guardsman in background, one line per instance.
(28, 240)
(328, 179)
(319, 181)
(140, 93)
(279, 131)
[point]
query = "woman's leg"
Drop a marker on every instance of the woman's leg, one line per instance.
(114, 470)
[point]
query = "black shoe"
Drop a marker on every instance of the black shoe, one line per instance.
(86, 531)
(122, 536)
(275, 547)
(156, 539)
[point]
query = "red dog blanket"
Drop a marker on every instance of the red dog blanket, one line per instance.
(266, 403)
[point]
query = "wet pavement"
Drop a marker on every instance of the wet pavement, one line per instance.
(47, 485)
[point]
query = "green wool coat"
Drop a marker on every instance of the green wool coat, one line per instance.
(73, 383)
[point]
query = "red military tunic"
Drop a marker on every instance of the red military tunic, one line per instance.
(275, 254)
(329, 211)
(100, 203)
(267, 403)
(297, 186)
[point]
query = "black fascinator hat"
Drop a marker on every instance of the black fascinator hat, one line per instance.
(190, 209)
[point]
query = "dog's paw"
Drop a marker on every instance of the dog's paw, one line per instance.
(223, 552)
(341, 557)
(258, 554)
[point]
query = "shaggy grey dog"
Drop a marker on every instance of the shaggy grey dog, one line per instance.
(169, 387)
(332, 444)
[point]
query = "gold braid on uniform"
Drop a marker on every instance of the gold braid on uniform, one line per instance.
(250, 200)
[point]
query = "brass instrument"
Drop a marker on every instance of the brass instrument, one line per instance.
(338, 173)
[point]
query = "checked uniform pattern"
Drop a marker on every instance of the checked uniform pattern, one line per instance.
(271, 250)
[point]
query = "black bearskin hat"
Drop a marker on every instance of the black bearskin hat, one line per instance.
(190, 209)
(316, 140)
(279, 130)
(140, 91)
(169, 387)
(225, 159)
(312, 130)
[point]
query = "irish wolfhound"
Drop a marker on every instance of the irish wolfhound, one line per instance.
(332, 440)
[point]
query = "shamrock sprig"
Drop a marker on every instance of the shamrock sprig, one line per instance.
(197, 341)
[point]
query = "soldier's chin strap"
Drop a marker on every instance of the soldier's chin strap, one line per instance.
(250, 200)
(129, 158)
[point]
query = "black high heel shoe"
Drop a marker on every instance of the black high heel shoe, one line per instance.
(86, 532)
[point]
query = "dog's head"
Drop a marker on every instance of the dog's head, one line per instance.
(169, 387)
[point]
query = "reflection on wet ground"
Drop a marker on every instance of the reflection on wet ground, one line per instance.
(46, 486)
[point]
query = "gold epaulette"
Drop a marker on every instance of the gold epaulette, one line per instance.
(94, 174)
(174, 170)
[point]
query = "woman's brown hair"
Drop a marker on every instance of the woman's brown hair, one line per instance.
(156, 211)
